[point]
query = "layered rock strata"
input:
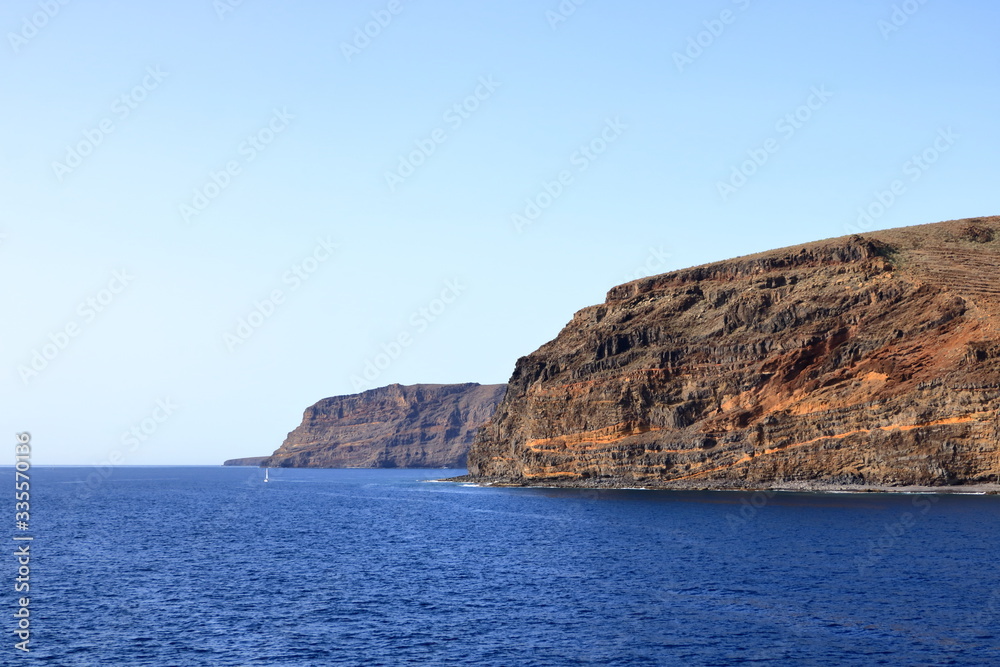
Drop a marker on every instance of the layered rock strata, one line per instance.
(866, 359)
(416, 426)
(246, 461)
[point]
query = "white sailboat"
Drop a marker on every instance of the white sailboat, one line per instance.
(265, 475)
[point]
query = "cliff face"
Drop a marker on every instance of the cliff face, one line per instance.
(417, 426)
(246, 461)
(864, 359)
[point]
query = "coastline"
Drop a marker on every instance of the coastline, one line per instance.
(976, 489)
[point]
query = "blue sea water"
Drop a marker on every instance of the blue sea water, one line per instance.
(210, 566)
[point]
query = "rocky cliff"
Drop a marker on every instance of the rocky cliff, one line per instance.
(417, 426)
(871, 359)
(246, 461)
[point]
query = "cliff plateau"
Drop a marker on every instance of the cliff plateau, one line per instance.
(416, 426)
(866, 359)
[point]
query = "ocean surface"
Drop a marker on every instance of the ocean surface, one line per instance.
(200, 566)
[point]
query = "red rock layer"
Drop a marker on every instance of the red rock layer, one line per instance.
(870, 359)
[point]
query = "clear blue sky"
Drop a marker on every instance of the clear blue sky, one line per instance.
(212, 154)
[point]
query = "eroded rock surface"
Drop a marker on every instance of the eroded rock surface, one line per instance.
(415, 426)
(868, 359)
(246, 461)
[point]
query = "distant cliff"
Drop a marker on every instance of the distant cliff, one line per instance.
(246, 461)
(872, 358)
(416, 426)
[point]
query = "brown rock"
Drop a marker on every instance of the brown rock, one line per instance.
(867, 359)
(416, 426)
(246, 461)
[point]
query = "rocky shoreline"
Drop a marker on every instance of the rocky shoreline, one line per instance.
(777, 487)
